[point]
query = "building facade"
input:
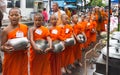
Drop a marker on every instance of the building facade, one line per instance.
(27, 7)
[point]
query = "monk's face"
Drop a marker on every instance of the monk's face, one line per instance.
(55, 7)
(65, 19)
(38, 21)
(82, 18)
(93, 12)
(88, 18)
(96, 9)
(14, 16)
(75, 18)
(53, 20)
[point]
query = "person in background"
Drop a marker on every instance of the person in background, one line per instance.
(68, 13)
(57, 12)
(45, 15)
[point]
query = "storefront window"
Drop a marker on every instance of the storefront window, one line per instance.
(13, 3)
(29, 3)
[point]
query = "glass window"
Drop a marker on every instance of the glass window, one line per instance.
(29, 3)
(12, 3)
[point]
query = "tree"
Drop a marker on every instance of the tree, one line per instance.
(97, 3)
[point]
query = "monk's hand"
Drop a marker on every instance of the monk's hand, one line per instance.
(74, 41)
(48, 49)
(38, 50)
(7, 48)
(78, 38)
(63, 44)
(26, 48)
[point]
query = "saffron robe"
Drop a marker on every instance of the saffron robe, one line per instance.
(16, 63)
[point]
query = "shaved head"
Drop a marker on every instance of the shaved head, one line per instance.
(15, 8)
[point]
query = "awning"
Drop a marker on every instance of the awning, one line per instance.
(71, 6)
(70, 0)
(114, 1)
(80, 4)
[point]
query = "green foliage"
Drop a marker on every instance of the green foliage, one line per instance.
(97, 3)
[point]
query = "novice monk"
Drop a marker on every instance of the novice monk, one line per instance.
(93, 33)
(39, 60)
(84, 24)
(88, 31)
(15, 62)
(78, 29)
(55, 34)
(67, 32)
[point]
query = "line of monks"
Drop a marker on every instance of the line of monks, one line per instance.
(33, 61)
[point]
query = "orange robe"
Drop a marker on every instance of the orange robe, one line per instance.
(67, 54)
(87, 32)
(93, 35)
(39, 63)
(98, 24)
(78, 29)
(59, 18)
(55, 59)
(16, 63)
(68, 14)
(83, 24)
(103, 25)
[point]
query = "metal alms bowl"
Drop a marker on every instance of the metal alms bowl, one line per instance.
(69, 41)
(81, 38)
(18, 43)
(58, 46)
(42, 44)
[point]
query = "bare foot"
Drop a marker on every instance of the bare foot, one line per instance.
(68, 71)
(80, 64)
(63, 70)
(73, 66)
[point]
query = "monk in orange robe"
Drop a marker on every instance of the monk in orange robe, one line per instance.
(15, 62)
(103, 16)
(67, 32)
(93, 29)
(78, 29)
(68, 13)
(83, 23)
(55, 34)
(39, 60)
(99, 23)
(58, 12)
(87, 31)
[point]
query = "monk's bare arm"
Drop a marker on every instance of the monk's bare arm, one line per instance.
(31, 37)
(4, 37)
(32, 42)
(49, 41)
(5, 47)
